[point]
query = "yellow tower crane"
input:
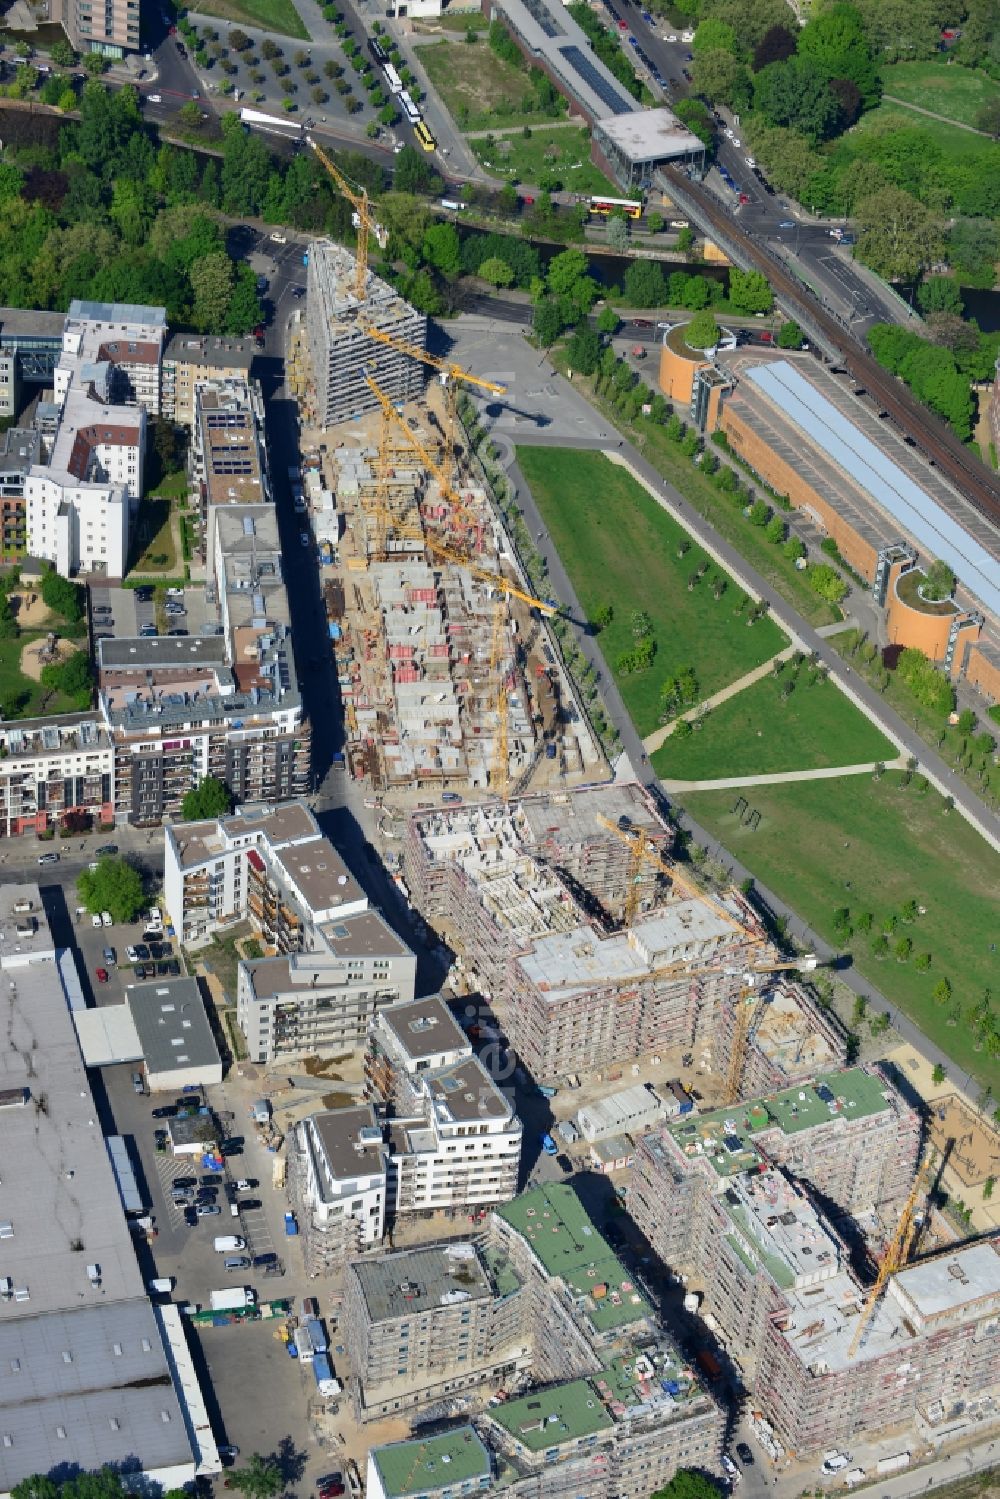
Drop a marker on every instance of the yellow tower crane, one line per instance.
(500, 765)
(644, 852)
(366, 225)
(452, 375)
(897, 1252)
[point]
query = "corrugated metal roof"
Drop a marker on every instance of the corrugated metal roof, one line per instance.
(918, 515)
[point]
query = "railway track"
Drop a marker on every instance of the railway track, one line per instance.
(928, 433)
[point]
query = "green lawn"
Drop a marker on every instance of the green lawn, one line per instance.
(951, 142)
(554, 151)
(619, 547)
(871, 846)
(758, 733)
(719, 509)
(279, 16)
(947, 89)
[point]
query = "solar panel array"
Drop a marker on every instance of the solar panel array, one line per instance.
(617, 102)
(919, 516)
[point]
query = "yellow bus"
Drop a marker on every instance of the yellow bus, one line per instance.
(424, 137)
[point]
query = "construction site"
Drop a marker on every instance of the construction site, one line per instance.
(595, 947)
(448, 677)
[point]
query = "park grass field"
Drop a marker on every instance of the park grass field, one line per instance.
(478, 88)
(620, 548)
(951, 142)
(30, 697)
(871, 846)
(944, 88)
(757, 733)
(553, 151)
(278, 16)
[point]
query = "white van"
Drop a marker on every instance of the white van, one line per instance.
(229, 1243)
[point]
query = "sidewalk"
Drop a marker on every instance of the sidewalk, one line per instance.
(654, 741)
(776, 778)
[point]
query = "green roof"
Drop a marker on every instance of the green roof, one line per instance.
(556, 1225)
(424, 1466)
(618, 1379)
(547, 1418)
(726, 1135)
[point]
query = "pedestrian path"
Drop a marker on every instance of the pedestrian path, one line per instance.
(654, 741)
(827, 773)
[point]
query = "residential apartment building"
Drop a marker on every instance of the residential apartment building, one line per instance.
(269, 866)
(612, 1409)
(30, 349)
(338, 1175)
(227, 456)
(341, 352)
(111, 28)
(449, 1139)
(125, 337)
(850, 1136)
(20, 448)
(191, 359)
(51, 766)
(531, 894)
(430, 1322)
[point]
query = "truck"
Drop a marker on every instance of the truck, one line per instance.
(291, 1225)
(326, 1385)
(708, 1363)
(235, 1300)
(317, 1336)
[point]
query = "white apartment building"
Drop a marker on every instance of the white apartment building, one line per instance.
(129, 339)
(51, 766)
(450, 1140)
(79, 528)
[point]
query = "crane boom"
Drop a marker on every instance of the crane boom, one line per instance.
(361, 204)
(445, 367)
(897, 1252)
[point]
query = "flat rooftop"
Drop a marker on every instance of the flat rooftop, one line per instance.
(428, 1464)
(319, 874)
(351, 1140)
(554, 1222)
(135, 653)
(584, 958)
(172, 1026)
(725, 1137)
(551, 36)
(932, 1292)
(288, 822)
(549, 1417)
(650, 135)
(420, 1280)
(213, 353)
(921, 504)
(464, 1092)
(777, 1226)
(24, 927)
(424, 1027)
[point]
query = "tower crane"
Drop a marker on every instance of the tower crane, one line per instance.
(804, 964)
(897, 1252)
(366, 225)
(451, 376)
(500, 766)
(644, 852)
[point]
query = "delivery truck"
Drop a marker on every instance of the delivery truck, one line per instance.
(235, 1300)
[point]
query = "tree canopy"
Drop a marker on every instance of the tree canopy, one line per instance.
(210, 798)
(114, 886)
(62, 596)
(689, 1484)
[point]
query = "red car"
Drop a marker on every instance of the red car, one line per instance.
(744, 198)
(641, 322)
(622, 25)
(102, 975)
(330, 1487)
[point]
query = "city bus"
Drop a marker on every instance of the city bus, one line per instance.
(424, 136)
(408, 107)
(378, 52)
(392, 78)
(607, 206)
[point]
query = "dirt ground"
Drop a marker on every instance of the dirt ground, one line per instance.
(32, 659)
(30, 610)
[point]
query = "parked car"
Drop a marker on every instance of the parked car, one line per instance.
(110, 957)
(101, 974)
(166, 1111)
(175, 593)
(107, 850)
(48, 858)
(95, 919)
(173, 968)
(148, 631)
(138, 1086)
(185, 1182)
(246, 1184)
(106, 919)
(744, 1454)
(249, 1204)
(730, 1469)
(207, 1210)
(141, 951)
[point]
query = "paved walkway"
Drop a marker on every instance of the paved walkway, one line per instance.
(777, 778)
(932, 115)
(654, 741)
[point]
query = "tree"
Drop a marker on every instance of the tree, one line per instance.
(62, 596)
(688, 1484)
(608, 321)
(796, 93)
(776, 45)
(827, 582)
(897, 236)
(565, 270)
(212, 284)
(496, 271)
(903, 949)
(548, 322)
(938, 1075)
(702, 331)
(835, 41)
(940, 294)
(721, 77)
(210, 798)
(749, 291)
(95, 63)
(603, 616)
(113, 886)
(942, 992)
(73, 677)
(618, 235)
(929, 686)
(442, 250)
(939, 583)
(260, 1479)
(584, 350)
(790, 335)
(644, 284)
(973, 248)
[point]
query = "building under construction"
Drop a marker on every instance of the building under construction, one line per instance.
(340, 350)
(567, 914)
(789, 1038)
(826, 1360)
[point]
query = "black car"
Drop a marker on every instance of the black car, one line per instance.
(185, 1182)
(210, 1179)
(191, 1217)
(144, 595)
(145, 970)
(107, 848)
(205, 1197)
(264, 1259)
(142, 952)
(173, 968)
(165, 949)
(744, 1454)
(155, 950)
(166, 1111)
(162, 970)
(247, 1204)
(177, 632)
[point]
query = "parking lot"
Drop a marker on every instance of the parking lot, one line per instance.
(122, 613)
(93, 940)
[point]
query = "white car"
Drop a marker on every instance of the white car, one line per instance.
(835, 1462)
(106, 918)
(672, 37)
(154, 98)
(730, 1469)
(175, 593)
(279, 238)
(751, 163)
(131, 954)
(737, 142)
(95, 920)
(728, 133)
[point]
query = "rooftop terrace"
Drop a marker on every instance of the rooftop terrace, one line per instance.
(425, 1465)
(547, 1418)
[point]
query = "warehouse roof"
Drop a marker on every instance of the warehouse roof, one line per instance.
(173, 1028)
(928, 511)
(427, 1464)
